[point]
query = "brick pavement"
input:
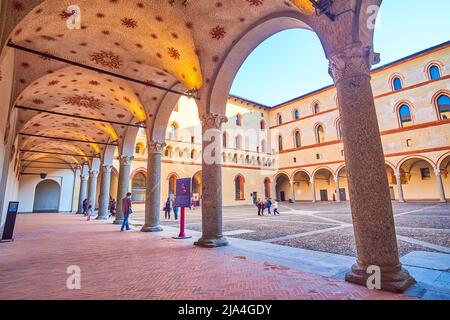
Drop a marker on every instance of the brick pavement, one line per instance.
(135, 265)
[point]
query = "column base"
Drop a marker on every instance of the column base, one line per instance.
(102, 217)
(212, 243)
(393, 279)
(146, 228)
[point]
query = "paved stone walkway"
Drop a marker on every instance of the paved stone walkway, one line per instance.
(135, 265)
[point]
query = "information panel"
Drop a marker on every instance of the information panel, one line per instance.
(183, 193)
(10, 222)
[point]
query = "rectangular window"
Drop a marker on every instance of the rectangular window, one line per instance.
(409, 143)
(342, 152)
(295, 160)
(317, 156)
(192, 139)
(425, 173)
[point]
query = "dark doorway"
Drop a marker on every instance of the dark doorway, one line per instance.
(282, 196)
(343, 194)
(255, 197)
(323, 195)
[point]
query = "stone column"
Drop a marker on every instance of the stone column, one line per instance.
(153, 191)
(92, 188)
(212, 182)
(438, 174)
(124, 185)
(373, 220)
(338, 192)
(103, 212)
(398, 177)
(83, 192)
(293, 190)
(313, 190)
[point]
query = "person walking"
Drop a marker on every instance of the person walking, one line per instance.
(126, 209)
(268, 205)
(113, 207)
(175, 212)
(275, 208)
(167, 210)
(89, 213)
(85, 206)
(259, 205)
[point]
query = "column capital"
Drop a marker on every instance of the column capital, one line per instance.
(107, 168)
(84, 177)
(350, 62)
(125, 160)
(212, 120)
(437, 171)
(397, 173)
(155, 146)
(336, 179)
(93, 174)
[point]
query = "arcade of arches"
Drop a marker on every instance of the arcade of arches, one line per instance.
(122, 71)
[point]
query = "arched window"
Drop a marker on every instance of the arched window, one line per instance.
(296, 114)
(139, 148)
(239, 120)
(173, 128)
(138, 187)
(235, 158)
(443, 104)
(434, 72)
(168, 151)
(397, 84)
(267, 187)
(263, 146)
(280, 143)
(340, 133)
(297, 139)
(316, 108)
(224, 139)
(320, 134)
(238, 142)
(279, 119)
(172, 184)
(193, 154)
(239, 187)
(404, 114)
(263, 125)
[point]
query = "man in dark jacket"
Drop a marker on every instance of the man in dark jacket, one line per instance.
(126, 209)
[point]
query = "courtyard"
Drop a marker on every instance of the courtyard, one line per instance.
(327, 227)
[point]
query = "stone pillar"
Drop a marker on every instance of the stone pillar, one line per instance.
(103, 212)
(153, 191)
(398, 177)
(338, 192)
(373, 220)
(83, 192)
(293, 190)
(124, 185)
(437, 172)
(92, 188)
(212, 182)
(313, 190)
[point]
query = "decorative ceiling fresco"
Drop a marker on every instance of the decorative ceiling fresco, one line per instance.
(160, 42)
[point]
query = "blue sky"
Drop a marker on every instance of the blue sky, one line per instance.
(292, 62)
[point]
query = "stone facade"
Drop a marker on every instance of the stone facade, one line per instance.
(414, 148)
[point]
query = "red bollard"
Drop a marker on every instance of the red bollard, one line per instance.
(182, 234)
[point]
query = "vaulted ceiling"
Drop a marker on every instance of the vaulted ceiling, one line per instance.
(160, 42)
